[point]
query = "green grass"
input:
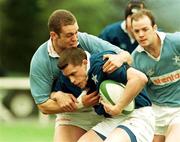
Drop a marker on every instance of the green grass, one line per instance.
(26, 131)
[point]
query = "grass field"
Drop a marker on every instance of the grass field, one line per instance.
(26, 131)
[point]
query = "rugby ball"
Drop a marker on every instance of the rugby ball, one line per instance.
(111, 92)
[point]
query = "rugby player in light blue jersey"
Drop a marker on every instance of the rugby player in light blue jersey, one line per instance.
(85, 71)
(63, 30)
(158, 56)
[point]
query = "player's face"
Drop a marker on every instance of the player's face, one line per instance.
(67, 38)
(77, 74)
(144, 32)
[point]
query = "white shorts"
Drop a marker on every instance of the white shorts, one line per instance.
(84, 118)
(165, 116)
(141, 123)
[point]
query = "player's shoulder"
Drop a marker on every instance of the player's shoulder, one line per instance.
(41, 49)
(40, 56)
(173, 39)
(173, 36)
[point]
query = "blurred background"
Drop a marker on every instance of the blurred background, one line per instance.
(23, 27)
(23, 24)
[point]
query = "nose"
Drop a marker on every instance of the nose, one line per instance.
(74, 37)
(73, 81)
(141, 33)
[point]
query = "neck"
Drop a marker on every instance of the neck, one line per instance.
(155, 48)
(55, 47)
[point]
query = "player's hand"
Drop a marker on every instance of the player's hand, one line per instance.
(114, 61)
(112, 110)
(90, 99)
(66, 101)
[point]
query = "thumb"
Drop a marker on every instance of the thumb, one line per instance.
(102, 102)
(106, 56)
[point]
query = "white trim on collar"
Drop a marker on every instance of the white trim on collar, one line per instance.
(51, 50)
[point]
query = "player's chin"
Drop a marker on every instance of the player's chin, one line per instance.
(74, 45)
(81, 85)
(143, 43)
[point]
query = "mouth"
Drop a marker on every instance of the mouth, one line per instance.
(74, 44)
(78, 85)
(142, 40)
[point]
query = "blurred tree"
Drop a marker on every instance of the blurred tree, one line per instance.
(18, 31)
(92, 15)
(24, 26)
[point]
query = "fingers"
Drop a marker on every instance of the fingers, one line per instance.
(94, 97)
(95, 93)
(109, 66)
(90, 99)
(74, 99)
(72, 103)
(106, 106)
(95, 100)
(106, 56)
(66, 103)
(69, 106)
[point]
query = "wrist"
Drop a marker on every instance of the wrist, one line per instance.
(119, 108)
(80, 99)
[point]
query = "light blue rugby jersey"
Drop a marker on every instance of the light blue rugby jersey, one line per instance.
(163, 86)
(43, 67)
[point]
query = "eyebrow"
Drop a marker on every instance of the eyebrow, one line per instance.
(70, 73)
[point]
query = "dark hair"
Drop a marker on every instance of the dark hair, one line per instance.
(73, 56)
(60, 18)
(142, 13)
(133, 6)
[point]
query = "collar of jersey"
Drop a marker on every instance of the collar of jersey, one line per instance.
(51, 50)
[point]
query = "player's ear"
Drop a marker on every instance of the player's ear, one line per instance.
(155, 27)
(53, 35)
(84, 62)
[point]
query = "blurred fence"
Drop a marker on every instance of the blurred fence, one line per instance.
(16, 100)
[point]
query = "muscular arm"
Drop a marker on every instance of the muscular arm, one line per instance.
(136, 81)
(59, 102)
(49, 107)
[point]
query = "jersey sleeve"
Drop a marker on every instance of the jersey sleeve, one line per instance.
(119, 75)
(93, 44)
